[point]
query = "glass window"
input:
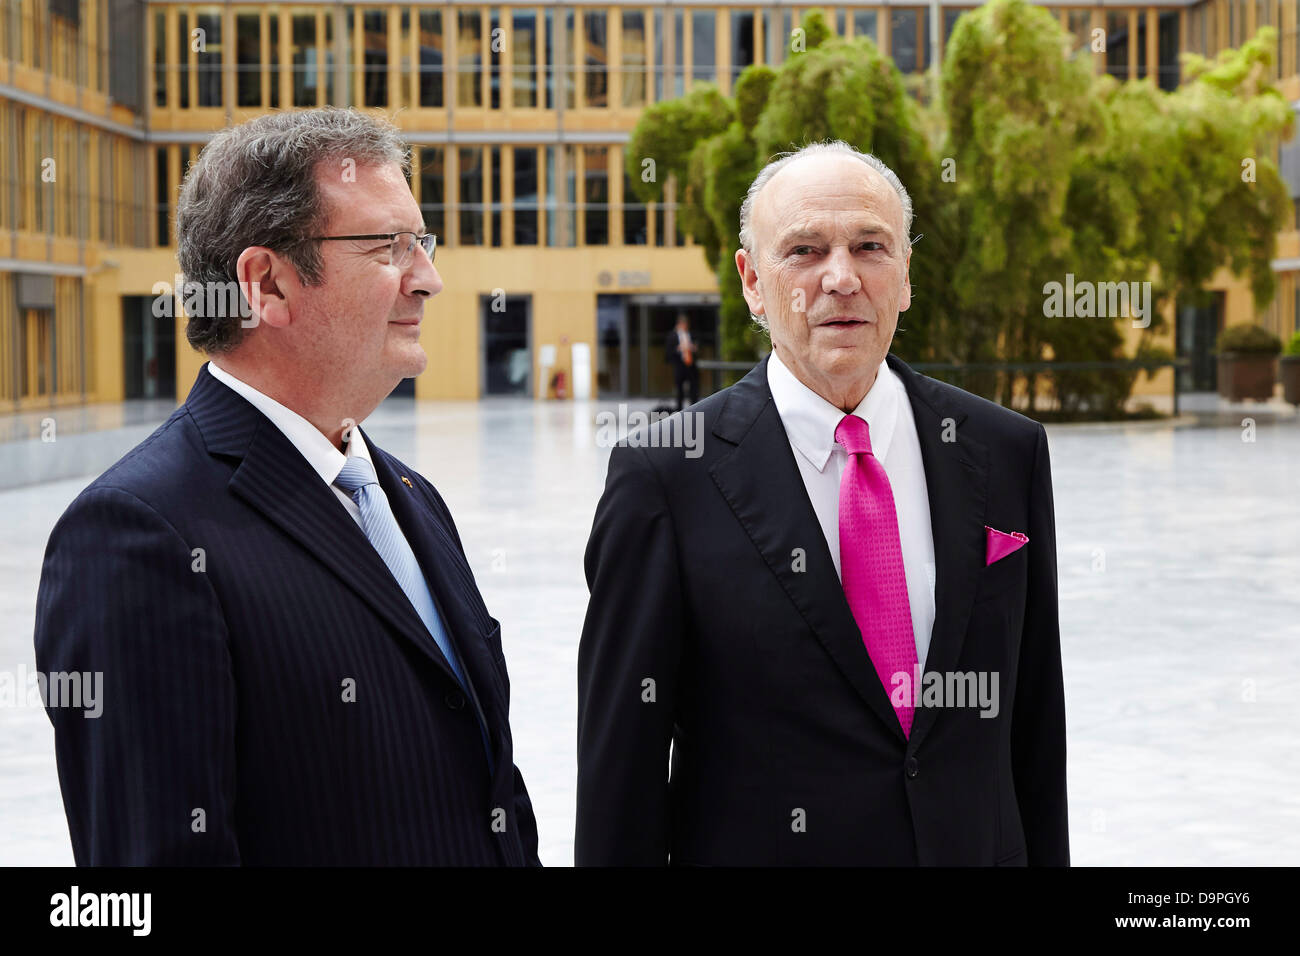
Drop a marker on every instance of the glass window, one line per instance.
(742, 43)
(161, 194)
(660, 66)
(596, 58)
(469, 57)
(864, 24)
(679, 55)
(523, 61)
(1169, 49)
(433, 195)
(471, 195)
(1141, 45)
(305, 67)
(248, 59)
(902, 40)
(704, 52)
(634, 58)
(159, 57)
(595, 194)
(570, 60)
(375, 57)
(431, 59)
(273, 44)
(548, 58)
(497, 208)
(83, 186)
(494, 64)
(209, 57)
(525, 204)
(634, 215)
(1117, 45)
(183, 40)
(107, 187)
(329, 60)
(910, 40)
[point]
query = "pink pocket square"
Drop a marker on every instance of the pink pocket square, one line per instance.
(1002, 543)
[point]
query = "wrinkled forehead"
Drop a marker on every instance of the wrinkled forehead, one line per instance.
(827, 193)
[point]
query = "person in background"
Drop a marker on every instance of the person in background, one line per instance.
(679, 351)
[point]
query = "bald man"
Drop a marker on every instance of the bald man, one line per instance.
(841, 618)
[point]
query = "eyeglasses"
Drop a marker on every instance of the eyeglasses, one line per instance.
(403, 244)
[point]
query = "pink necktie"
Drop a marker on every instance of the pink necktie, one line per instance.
(871, 564)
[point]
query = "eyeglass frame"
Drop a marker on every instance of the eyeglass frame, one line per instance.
(392, 237)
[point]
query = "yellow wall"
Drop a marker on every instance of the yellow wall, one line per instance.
(563, 284)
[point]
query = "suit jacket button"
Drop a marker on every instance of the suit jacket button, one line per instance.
(913, 768)
(455, 700)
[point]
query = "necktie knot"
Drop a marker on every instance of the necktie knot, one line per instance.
(356, 473)
(854, 434)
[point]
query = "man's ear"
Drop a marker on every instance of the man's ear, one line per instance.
(263, 277)
(905, 298)
(749, 284)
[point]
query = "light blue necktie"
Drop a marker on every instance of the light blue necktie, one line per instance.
(358, 479)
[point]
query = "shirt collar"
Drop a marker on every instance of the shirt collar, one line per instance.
(810, 421)
(326, 460)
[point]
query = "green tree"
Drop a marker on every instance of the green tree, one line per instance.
(1029, 168)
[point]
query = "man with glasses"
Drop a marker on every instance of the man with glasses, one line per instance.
(298, 668)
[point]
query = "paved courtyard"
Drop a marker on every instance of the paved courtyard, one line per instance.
(1179, 559)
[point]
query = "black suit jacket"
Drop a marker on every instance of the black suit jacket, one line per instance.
(225, 736)
(784, 746)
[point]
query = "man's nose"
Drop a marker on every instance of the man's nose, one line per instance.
(841, 274)
(422, 276)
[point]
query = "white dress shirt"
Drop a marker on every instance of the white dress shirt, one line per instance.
(810, 422)
(326, 460)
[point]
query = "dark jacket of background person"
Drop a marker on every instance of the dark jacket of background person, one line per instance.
(785, 749)
(224, 687)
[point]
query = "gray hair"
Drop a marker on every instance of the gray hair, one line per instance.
(255, 185)
(835, 148)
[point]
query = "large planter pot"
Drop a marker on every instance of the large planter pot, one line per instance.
(1289, 372)
(1243, 375)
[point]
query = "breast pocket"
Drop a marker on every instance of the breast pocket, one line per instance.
(1003, 576)
(493, 641)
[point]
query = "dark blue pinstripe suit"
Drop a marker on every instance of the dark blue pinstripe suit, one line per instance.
(224, 687)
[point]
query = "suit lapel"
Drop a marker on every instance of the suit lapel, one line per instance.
(760, 479)
(275, 479)
(449, 579)
(956, 478)
(761, 482)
